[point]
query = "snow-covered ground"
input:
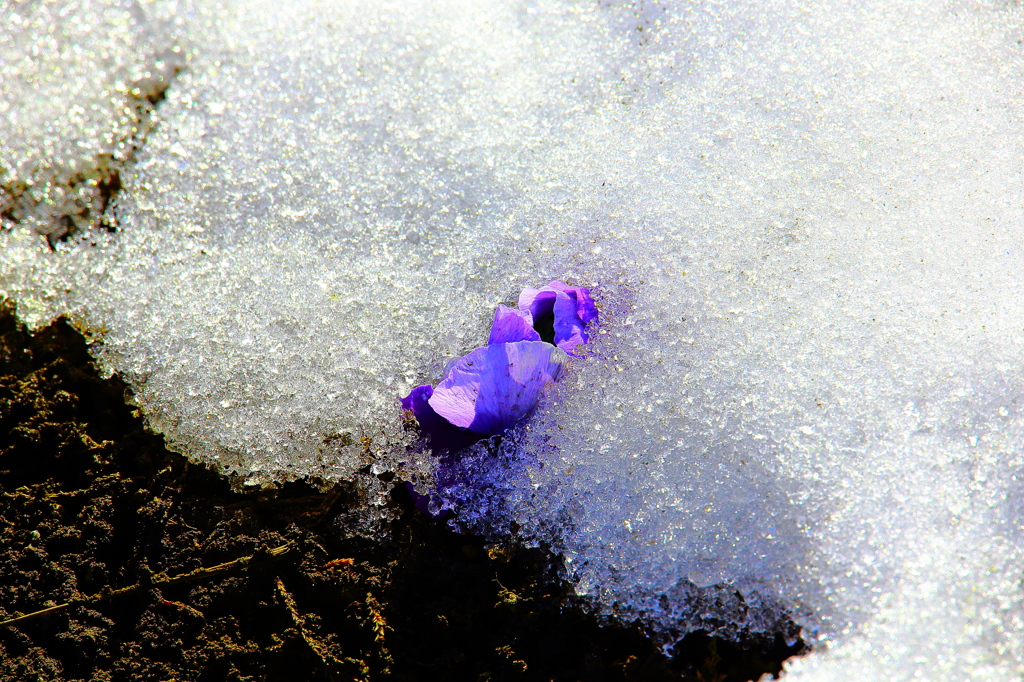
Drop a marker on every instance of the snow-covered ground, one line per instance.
(803, 222)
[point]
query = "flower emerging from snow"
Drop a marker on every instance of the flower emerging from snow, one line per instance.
(489, 390)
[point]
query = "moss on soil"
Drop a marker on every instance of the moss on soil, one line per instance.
(97, 514)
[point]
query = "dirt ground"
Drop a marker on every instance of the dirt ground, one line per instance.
(153, 568)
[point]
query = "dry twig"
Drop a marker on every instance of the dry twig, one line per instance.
(160, 579)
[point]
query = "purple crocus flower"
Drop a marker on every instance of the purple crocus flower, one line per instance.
(493, 387)
(568, 309)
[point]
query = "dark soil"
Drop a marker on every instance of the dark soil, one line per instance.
(128, 541)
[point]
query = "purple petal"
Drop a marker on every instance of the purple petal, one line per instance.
(443, 434)
(572, 308)
(417, 398)
(538, 302)
(586, 309)
(511, 325)
(494, 387)
(568, 326)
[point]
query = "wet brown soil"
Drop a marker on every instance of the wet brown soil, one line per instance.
(153, 568)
